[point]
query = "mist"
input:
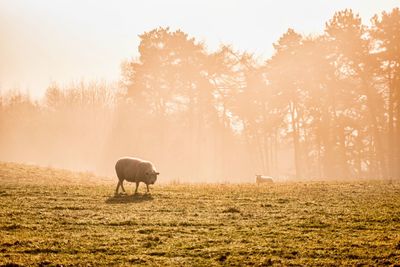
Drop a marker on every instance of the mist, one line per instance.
(322, 107)
(88, 126)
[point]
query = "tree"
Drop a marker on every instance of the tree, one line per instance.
(385, 32)
(354, 60)
(284, 75)
(172, 80)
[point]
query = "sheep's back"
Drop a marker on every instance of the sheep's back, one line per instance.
(127, 168)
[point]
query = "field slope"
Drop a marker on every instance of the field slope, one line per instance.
(53, 217)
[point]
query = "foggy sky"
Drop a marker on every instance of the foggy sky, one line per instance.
(64, 41)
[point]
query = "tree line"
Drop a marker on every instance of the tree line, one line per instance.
(324, 106)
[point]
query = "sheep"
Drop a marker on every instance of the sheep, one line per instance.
(260, 179)
(135, 170)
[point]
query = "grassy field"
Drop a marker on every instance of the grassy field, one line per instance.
(58, 218)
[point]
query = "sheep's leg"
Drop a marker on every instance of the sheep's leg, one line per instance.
(147, 188)
(122, 185)
(116, 190)
(137, 185)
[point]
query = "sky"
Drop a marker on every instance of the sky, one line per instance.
(66, 41)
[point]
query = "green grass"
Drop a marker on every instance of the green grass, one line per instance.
(70, 219)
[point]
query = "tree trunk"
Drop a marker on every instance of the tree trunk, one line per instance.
(391, 138)
(397, 141)
(296, 143)
(380, 153)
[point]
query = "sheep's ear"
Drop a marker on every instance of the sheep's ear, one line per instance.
(157, 173)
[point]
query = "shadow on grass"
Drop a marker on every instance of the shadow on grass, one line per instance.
(123, 198)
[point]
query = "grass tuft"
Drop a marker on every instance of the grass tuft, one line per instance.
(231, 210)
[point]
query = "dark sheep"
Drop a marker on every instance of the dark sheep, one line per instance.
(135, 170)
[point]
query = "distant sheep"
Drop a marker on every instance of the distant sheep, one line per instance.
(135, 170)
(260, 179)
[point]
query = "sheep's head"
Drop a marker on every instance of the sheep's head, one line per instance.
(152, 177)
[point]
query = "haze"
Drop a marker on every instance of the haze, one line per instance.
(209, 92)
(65, 41)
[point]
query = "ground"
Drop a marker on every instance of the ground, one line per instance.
(58, 218)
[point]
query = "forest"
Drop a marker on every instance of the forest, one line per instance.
(323, 106)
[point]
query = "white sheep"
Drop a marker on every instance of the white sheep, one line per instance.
(135, 170)
(260, 179)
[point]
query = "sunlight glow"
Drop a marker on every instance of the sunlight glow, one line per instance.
(65, 41)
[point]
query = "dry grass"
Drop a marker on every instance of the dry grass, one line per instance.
(63, 220)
